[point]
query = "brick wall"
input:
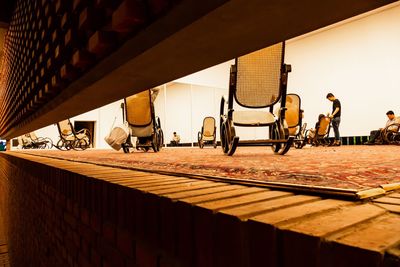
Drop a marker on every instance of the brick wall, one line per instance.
(58, 218)
(113, 217)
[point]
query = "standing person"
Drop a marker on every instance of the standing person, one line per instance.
(335, 116)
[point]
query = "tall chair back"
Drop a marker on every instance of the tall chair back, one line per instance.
(65, 128)
(208, 126)
(324, 126)
(258, 77)
(138, 109)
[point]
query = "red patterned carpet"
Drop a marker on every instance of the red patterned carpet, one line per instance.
(345, 167)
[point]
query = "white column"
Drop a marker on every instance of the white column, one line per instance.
(165, 112)
(191, 114)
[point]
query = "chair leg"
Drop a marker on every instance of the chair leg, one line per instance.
(233, 145)
(229, 140)
(286, 146)
(224, 138)
(277, 132)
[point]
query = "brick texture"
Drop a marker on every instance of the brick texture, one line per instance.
(61, 213)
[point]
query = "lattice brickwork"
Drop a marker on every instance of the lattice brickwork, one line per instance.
(50, 44)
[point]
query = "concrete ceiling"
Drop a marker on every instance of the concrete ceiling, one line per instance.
(178, 44)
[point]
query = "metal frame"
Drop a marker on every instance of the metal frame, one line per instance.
(279, 138)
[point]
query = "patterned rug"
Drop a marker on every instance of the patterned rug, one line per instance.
(345, 167)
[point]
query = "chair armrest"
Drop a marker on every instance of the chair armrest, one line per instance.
(391, 126)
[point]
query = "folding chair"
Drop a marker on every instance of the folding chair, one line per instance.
(143, 124)
(257, 81)
(207, 135)
(71, 139)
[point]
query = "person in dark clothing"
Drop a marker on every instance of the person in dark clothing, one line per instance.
(335, 116)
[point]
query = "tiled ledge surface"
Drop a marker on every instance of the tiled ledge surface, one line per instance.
(141, 219)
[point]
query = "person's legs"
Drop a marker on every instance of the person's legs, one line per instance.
(373, 136)
(311, 136)
(335, 125)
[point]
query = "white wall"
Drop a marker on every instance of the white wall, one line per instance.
(186, 107)
(216, 76)
(104, 118)
(359, 62)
